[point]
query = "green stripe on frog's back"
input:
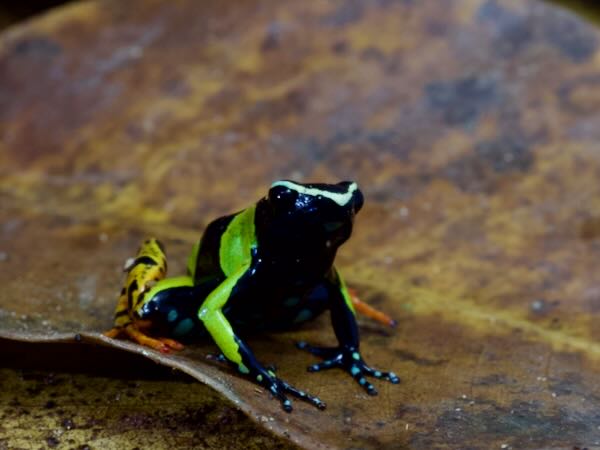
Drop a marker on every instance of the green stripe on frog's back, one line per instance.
(237, 242)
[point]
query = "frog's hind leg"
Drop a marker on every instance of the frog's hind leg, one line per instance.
(163, 344)
(122, 318)
(144, 273)
(367, 310)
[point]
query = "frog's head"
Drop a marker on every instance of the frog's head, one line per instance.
(314, 214)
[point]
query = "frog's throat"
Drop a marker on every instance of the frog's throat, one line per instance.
(339, 198)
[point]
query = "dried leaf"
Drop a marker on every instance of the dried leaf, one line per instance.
(471, 127)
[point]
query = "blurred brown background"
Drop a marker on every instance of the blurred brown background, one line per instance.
(12, 11)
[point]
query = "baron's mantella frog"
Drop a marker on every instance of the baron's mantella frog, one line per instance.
(267, 267)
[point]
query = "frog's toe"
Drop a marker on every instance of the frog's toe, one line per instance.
(220, 357)
(280, 388)
(315, 401)
(136, 335)
(323, 352)
(323, 365)
(277, 392)
(172, 343)
(113, 333)
(349, 360)
(359, 370)
(387, 376)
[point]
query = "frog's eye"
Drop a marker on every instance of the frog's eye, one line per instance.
(282, 197)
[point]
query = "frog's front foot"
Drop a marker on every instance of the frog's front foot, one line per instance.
(266, 378)
(280, 388)
(348, 359)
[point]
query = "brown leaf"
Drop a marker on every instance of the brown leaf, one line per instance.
(471, 127)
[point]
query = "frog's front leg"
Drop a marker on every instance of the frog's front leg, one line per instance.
(237, 352)
(346, 355)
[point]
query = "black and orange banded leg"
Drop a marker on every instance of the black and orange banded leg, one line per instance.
(144, 271)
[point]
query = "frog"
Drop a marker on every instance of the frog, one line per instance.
(268, 267)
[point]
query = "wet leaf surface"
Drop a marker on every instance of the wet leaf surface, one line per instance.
(471, 126)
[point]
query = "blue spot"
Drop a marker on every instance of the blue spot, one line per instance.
(183, 327)
(303, 316)
(354, 370)
(362, 381)
(356, 356)
(172, 317)
(377, 374)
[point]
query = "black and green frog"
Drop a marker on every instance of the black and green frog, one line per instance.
(267, 267)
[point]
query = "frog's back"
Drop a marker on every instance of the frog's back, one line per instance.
(226, 245)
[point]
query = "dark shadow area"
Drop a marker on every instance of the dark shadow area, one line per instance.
(587, 9)
(12, 11)
(85, 359)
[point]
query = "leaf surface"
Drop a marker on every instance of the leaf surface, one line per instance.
(472, 128)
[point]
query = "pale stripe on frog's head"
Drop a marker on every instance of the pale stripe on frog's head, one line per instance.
(341, 198)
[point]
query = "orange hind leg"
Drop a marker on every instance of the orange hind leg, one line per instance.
(372, 313)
